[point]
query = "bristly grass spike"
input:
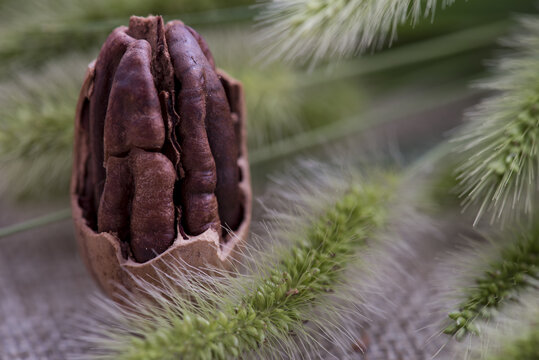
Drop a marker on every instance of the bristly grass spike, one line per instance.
(498, 272)
(282, 303)
(499, 172)
(309, 31)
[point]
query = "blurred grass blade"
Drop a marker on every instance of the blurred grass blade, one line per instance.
(50, 28)
(423, 51)
(51, 218)
(355, 125)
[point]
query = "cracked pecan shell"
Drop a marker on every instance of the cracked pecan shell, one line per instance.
(160, 161)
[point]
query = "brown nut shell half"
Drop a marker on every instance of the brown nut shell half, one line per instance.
(102, 252)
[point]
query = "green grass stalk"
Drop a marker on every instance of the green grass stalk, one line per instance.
(261, 312)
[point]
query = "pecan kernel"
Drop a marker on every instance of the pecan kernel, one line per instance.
(163, 146)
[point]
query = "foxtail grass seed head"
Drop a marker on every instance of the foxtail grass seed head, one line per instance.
(267, 310)
(306, 31)
(147, 187)
(513, 335)
(499, 173)
(36, 130)
(512, 269)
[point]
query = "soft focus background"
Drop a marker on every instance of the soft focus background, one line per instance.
(394, 104)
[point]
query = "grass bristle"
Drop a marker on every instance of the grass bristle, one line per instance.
(514, 335)
(305, 31)
(499, 145)
(511, 267)
(279, 307)
(37, 113)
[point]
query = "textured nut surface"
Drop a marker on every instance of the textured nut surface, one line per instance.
(160, 163)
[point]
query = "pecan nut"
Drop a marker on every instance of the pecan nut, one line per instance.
(160, 167)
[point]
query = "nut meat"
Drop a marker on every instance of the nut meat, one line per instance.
(160, 158)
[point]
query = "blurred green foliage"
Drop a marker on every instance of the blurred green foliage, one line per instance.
(279, 104)
(33, 31)
(36, 129)
(50, 41)
(524, 348)
(443, 187)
